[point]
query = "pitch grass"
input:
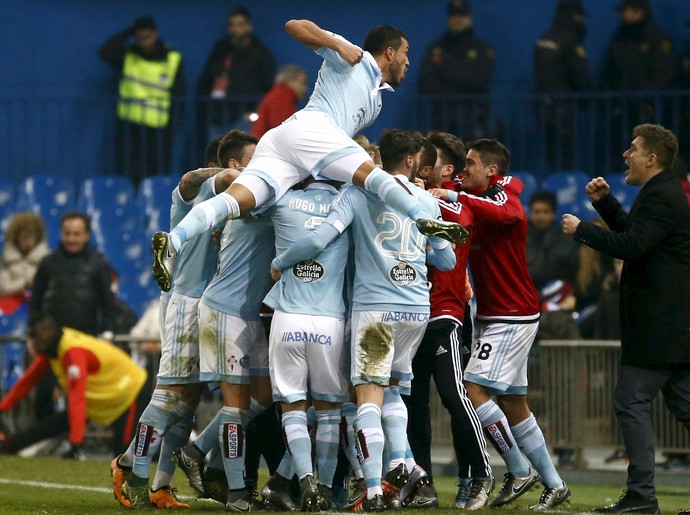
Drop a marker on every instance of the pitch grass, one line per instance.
(52, 485)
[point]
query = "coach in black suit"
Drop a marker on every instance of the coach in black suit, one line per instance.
(654, 242)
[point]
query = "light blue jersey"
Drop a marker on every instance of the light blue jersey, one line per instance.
(239, 286)
(179, 208)
(197, 258)
(390, 252)
(313, 287)
(349, 95)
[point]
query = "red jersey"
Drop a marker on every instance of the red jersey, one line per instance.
(447, 295)
(503, 287)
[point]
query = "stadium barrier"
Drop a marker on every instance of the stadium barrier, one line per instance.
(571, 390)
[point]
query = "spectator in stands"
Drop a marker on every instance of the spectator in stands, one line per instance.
(459, 63)
(151, 76)
(592, 271)
(640, 58)
(607, 314)
(552, 264)
(560, 66)
(281, 101)
(550, 254)
(25, 246)
(74, 282)
(239, 66)
(101, 381)
(653, 240)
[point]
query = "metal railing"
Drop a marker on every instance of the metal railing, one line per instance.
(77, 134)
(570, 394)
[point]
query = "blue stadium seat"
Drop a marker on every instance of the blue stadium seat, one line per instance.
(104, 191)
(48, 195)
(623, 192)
(12, 353)
(569, 187)
(6, 207)
(138, 290)
(127, 250)
(154, 199)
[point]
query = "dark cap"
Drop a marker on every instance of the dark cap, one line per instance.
(571, 6)
(634, 4)
(458, 7)
(144, 22)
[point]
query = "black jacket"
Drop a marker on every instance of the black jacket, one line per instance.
(75, 290)
(640, 58)
(457, 63)
(560, 60)
(251, 72)
(654, 242)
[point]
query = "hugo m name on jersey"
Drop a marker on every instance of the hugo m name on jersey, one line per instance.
(309, 206)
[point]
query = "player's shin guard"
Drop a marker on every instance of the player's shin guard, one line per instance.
(208, 438)
(369, 440)
(530, 439)
(394, 422)
(233, 422)
(348, 413)
(154, 422)
(498, 433)
(298, 442)
(175, 437)
(327, 444)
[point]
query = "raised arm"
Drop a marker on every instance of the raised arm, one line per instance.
(310, 34)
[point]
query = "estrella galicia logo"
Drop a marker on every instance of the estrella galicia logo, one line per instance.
(308, 271)
(403, 274)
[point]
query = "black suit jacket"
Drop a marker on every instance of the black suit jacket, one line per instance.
(654, 242)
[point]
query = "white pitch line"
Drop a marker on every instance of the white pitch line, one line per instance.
(41, 484)
(59, 486)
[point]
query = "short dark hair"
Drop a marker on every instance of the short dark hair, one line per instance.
(546, 196)
(240, 11)
(429, 155)
(383, 36)
(452, 147)
(659, 141)
(397, 144)
(47, 321)
(70, 215)
(232, 146)
(493, 152)
(212, 150)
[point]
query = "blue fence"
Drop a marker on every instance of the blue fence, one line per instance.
(76, 136)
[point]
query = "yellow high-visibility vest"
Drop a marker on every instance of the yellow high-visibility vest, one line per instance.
(115, 385)
(145, 89)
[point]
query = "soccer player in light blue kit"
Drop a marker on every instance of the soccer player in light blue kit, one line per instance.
(390, 305)
(307, 352)
(167, 419)
(317, 140)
